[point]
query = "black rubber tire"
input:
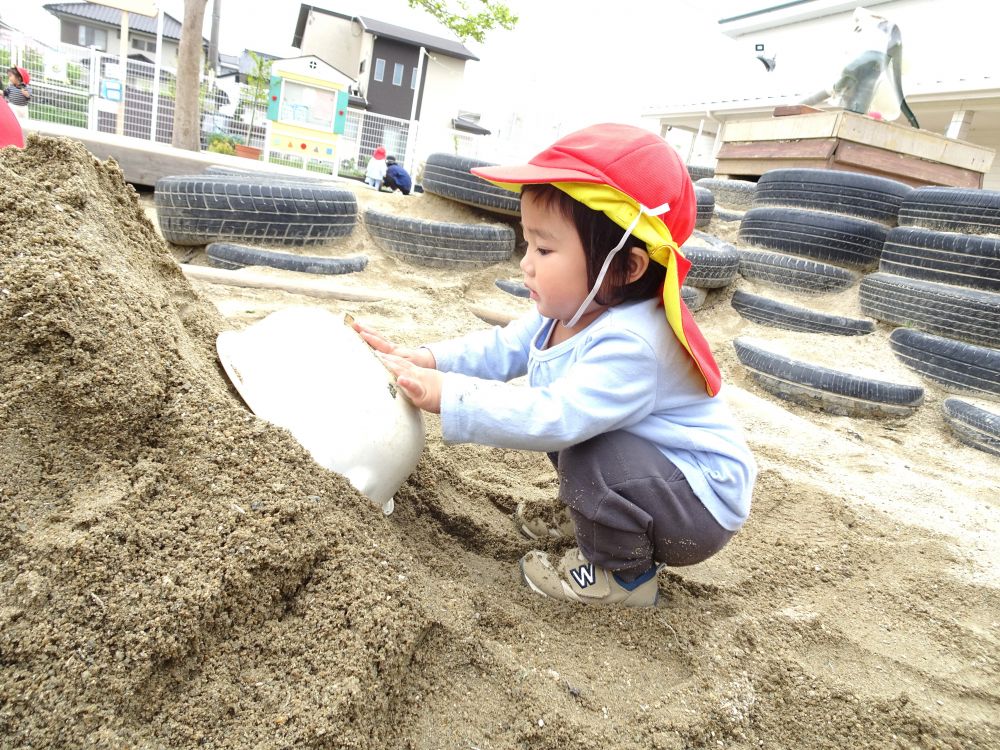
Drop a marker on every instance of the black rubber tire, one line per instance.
(862, 196)
(972, 425)
(706, 207)
(830, 390)
(312, 178)
(954, 364)
(439, 244)
(448, 176)
(724, 214)
(841, 240)
(699, 173)
(517, 288)
(714, 263)
(693, 297)
(960, 259)
(946, 209)
(776, 314)
(798, 274)
(228, 255)
(199, 209)
(734, 194)
(952, 311)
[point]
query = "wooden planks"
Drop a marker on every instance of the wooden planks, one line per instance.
(902, 167)
(309, 287)
(851, 142)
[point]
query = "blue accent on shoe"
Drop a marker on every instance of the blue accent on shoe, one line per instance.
(633, 585)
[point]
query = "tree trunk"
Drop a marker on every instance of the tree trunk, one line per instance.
(187, 128)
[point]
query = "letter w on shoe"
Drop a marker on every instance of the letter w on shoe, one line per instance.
(584, 575)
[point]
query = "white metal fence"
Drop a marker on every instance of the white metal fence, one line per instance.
(82, 87)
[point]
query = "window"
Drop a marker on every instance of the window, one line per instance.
(143, 44)
(413, 80)
(397, 74)
(379, 69)
(88, 36)
(361, 68)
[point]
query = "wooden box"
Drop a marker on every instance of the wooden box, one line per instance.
(850, 142)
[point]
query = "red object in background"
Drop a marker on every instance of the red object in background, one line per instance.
(10, 129)
(876, 115)
(302, 145)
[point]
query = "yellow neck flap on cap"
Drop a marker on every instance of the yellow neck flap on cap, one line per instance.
(622, 210)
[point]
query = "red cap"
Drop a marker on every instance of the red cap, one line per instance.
(634, 161)
(25, 76)
(379, 153)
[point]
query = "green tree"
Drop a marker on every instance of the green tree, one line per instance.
(466, 22)
(259, 81)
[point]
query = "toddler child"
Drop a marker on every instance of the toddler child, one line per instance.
(18, 92)
(622, 388)
(375, 172)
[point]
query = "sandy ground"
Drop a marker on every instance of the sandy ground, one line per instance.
(857, 608)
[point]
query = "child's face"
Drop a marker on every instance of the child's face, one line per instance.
(554, 265)
(13, 79)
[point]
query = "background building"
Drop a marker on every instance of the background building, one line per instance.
(385, 59)
(951, 73)
(94, 25)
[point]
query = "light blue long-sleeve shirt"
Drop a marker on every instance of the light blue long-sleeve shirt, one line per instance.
(625, 371)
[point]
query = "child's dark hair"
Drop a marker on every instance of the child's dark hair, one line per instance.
(599, 235)
(17, 73)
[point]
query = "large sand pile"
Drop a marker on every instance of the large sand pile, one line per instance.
(175, 573)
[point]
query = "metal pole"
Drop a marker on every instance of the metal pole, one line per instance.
(155, 113)
(213, 39)
(411, 136)
(123, 68)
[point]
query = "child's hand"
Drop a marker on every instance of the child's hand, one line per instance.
(420, 356)
(420, 384)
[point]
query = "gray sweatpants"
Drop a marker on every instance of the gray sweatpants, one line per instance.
(632, 506)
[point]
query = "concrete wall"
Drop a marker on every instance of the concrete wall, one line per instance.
(336, 40)
(442, 98)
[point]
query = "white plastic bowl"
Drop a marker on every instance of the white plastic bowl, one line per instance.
(305, 369)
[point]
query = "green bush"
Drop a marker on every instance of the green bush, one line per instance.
(221, 143)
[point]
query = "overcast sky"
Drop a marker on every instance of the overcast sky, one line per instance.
(567, 63)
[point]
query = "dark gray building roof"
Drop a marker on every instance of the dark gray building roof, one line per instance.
(106, 16)
(433, 43)
(417, 38)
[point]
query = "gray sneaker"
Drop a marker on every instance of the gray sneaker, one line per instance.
(576, 579)
(542, 526)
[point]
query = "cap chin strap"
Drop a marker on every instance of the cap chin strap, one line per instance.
(611, 256)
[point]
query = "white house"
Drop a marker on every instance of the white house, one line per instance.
(393, 66)
(951, 69)
(95, 25)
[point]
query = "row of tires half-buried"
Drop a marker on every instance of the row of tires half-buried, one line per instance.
(963, 210)
(847, 394)
(226, 206)
(450, 176)
(931, 277)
